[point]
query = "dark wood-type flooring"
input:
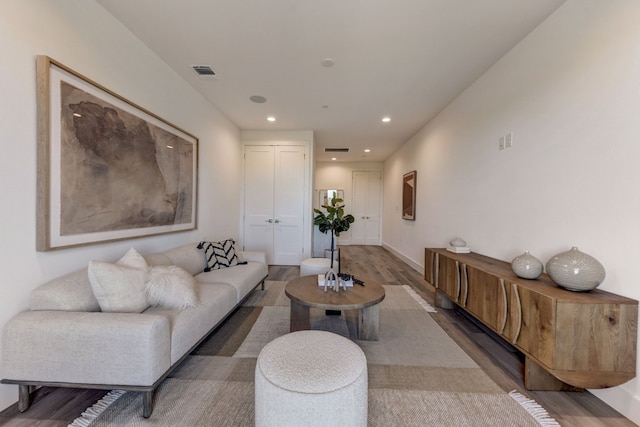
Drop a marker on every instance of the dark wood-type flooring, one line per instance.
(57, 407)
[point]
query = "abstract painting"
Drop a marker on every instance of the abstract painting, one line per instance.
(409, 196)
(107, 168)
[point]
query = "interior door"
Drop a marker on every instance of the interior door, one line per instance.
(274, 209)
(259, 199)
(288, 238)
(367, 194)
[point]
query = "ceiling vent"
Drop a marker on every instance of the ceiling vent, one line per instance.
(336, 150)
(205, 71)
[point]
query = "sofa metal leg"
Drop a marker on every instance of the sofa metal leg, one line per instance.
(147, 403)
(24, 397)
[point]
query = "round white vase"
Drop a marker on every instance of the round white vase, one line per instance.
(576, 271)
(527, 266)
(458, 243)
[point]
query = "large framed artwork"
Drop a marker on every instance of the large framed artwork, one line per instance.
(107, 168)
(409, 196)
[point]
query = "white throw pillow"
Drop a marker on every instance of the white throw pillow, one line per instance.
(119, 287)
(133, 259)
(170, 286)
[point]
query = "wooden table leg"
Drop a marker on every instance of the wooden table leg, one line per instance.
(368, 323)
(300, 317)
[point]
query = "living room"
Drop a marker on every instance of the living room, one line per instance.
(567, 93)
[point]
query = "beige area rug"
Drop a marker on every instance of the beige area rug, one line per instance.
(418, 376)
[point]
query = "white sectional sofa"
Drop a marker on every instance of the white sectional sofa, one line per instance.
(66, 340)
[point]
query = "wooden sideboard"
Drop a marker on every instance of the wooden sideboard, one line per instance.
(579, 339)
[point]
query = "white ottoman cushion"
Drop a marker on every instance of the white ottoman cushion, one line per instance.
(315, 266)
(311, 378)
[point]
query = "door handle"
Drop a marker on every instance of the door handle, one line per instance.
(268, 220)
(277, 221)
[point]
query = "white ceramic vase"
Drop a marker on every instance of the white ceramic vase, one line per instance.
(458, 243)
(575, 270)
(527, 266)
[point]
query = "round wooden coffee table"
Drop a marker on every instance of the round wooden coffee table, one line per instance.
(305, 293)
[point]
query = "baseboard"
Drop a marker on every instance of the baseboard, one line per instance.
(622, 400)
(413, 264)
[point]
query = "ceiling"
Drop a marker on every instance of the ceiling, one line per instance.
(403, 59)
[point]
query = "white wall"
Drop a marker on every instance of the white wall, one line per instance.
(84, 37)
(337, 176)
(569, 93)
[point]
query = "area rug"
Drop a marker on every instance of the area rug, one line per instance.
(417, 374)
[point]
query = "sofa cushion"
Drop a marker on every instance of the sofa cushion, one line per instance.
(157, 259)
(172, 287)
(71, 292)
(219, 255)
(188, 257)
(133, 259)
(119, 287)
(243, 277)
(189, 326)
(255, 256)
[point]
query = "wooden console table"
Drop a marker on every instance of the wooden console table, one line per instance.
(580, 339)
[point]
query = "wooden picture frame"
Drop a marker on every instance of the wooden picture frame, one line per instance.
(108, 169)
(409, 196)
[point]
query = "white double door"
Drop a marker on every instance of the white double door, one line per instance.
(274, 188)
(367, 207)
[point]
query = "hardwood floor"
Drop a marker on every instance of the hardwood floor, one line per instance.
(57, 407)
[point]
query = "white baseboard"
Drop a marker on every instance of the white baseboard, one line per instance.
(414, 264)
(622, 400)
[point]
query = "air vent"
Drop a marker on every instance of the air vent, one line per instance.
(336, 150)
(205, 71)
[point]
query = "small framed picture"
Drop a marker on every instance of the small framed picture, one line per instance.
(409, 196)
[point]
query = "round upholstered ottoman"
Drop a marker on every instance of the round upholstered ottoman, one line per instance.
(311, 378)
(315, 266)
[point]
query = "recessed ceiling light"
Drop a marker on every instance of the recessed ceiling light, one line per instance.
(258, 99)
(366, 150)
(386, 119)
(333, 158)
(271, 119)
(328, 62)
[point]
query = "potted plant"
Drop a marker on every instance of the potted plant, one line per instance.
(333, 220)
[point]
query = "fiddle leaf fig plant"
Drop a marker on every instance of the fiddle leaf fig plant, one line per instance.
(333, 221)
